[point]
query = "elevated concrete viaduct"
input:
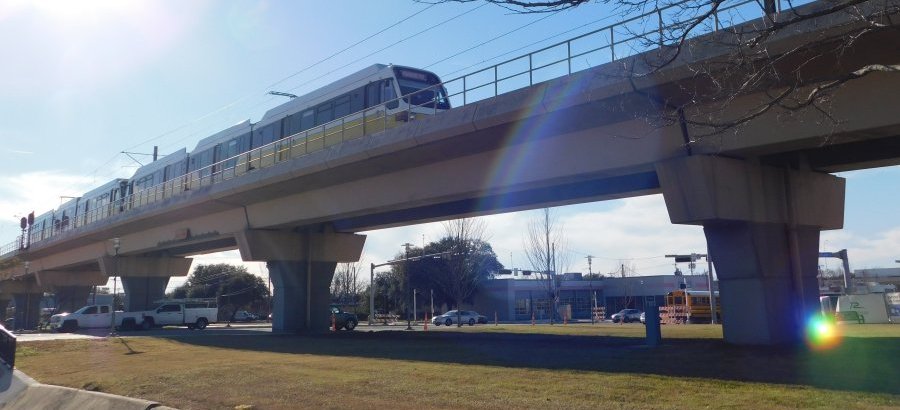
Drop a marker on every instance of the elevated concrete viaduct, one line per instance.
(762, 193)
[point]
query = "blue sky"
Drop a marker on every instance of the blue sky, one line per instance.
(83, 81)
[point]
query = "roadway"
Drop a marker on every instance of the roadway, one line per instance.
(221, 329)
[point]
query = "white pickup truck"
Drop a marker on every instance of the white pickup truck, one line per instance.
(90, 316)
(194, 315)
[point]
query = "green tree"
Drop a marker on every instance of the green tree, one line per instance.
(389, 291)
(233, 286)
(458, 263)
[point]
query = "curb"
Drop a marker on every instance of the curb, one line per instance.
(18, 391)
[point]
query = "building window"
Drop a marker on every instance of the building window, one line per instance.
(523, 307)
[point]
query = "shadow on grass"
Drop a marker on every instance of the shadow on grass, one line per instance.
(128, 346)
(858, 364)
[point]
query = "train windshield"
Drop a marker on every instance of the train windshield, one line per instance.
(422, 88)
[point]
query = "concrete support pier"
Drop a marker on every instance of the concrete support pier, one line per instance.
(762, 227)
(144, 279)
(5, 298)
(26, 296)
(301, 266)
(70, 288)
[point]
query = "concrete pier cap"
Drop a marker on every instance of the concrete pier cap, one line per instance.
(144, 278)
(762, 227)
(301, 265)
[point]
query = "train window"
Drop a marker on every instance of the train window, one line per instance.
(387, 90)
(341, 106)
(357, 102)
(307, 120)
(293, 123)
(230, 150)
(267, 134)
(174, 170)
(388, 94)
(324, 113)
(373, 95)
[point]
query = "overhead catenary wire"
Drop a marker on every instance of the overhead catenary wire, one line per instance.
(492, 39)
(543, 40)
(246, 96)
(396, 43)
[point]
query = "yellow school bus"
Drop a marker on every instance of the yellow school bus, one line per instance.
(697, 303)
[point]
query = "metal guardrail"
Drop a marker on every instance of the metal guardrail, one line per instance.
(7, 347)
(634, 35)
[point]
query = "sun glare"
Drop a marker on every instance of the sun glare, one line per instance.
(822, 333)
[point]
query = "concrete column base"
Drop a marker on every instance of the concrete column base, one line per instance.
(302, 296)
(28, 310)
(760, 294)
(4, 303)
(142, 291)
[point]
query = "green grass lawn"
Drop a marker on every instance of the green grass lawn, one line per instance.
(483, 367)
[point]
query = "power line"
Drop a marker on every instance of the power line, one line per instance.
(351, 46)
(493, 39)
(391, 45)
(544, 40)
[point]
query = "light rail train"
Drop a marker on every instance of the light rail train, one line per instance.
(369, 101)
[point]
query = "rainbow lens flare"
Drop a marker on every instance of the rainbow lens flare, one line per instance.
(822, 333)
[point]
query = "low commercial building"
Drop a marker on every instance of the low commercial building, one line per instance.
(518, 299)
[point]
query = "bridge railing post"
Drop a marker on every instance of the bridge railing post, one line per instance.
(660, 20)
(612, 44)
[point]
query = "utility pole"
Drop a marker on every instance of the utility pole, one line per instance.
(406, 272)
(404, 261)
(371, 294)
(591, 287)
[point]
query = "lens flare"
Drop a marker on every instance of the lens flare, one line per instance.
(822, 333)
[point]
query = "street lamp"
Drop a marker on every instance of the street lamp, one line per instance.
(112, 322)
(27, 300)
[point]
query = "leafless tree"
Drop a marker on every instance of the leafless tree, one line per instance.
(545, 247)
(9, 263)
(626, 270)
(785, 80)
(345, 286)
(466, 260)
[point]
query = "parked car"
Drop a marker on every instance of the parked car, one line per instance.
(343, 320)
(482, 319)
(626, 315)
(244, 316)
(464, 316)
